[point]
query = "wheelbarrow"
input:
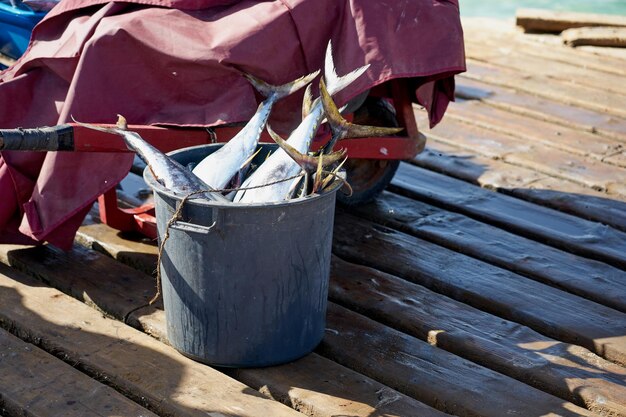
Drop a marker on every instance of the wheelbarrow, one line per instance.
(371, 164)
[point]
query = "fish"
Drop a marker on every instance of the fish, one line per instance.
(311, 165)
(169, 173)
(342, 129)
(220, 167)
(280, 166)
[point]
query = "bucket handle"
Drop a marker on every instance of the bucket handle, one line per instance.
(193, 228)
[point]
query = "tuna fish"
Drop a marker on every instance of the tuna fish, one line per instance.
(280, 165)
(168, 172)
(313, 166)
(342, 129)
(221, 166)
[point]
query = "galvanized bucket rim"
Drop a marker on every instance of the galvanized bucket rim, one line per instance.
(158, 187)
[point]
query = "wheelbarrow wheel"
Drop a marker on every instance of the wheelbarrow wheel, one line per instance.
(369, 177)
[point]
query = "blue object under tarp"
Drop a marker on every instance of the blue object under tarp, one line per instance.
(16, 24)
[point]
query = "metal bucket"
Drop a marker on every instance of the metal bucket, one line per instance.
(244, 285)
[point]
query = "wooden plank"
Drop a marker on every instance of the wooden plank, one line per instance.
(524, 183)
(81, 273)
(304, 386)
(450, 394)
(595, 36)
(589, 239)
(312, 385)
(567, 371)
(567, 93)
(471, 167)
(587, 278)
(556, 21)
(137, 251)
(599, 51)
(508, 55)
(587, 204)
(36, 384)
(548, 47)
(530, 154)
(542, 109)
(127, 359)
(410, 365)
(550, 311)
(536, 131)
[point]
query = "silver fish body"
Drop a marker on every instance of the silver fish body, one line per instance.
(168, 172)
(281, 166)
(221, 166)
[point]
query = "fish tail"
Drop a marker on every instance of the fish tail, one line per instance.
(307, 162)
(279, 91)
(342, 129)
(307, 101)
(334, 82)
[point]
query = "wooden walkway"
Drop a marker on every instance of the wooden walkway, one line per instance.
(489, 280)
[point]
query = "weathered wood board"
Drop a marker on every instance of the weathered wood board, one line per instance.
(524, 183)
(556, 21)
(129, 360)
(545, 225)
(502, 35)
(559, 90)
(312, 385)
(555, 313)
(494, 53)
(506, 98)
(34, 383)
(528, 152)
(595, 36)
(498, 344)
(587, 278)
(534, 131)
(416, 368)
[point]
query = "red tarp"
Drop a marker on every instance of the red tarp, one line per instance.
(179, 62)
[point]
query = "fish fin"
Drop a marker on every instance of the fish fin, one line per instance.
(334, 82)
(307, 162)
(317, 184)
(342, 129)
(121, 122)
(249, 160)
(307, 101)
(280, 91)
(333, 174)
(112, 130)
(338, 125)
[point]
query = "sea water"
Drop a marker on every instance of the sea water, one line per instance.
(506, 8)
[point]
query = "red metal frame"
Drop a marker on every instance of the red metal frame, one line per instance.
(141, 219)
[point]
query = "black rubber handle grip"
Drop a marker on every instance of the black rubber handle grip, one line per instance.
(55, 138)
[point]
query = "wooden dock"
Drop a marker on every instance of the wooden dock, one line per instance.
(488, 280)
